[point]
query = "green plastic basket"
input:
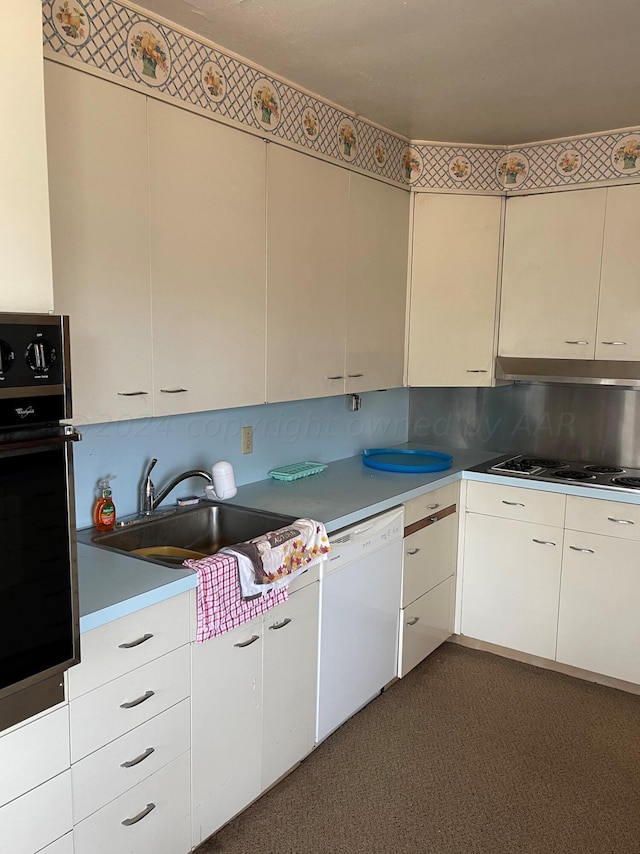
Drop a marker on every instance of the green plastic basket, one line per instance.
(297, 470)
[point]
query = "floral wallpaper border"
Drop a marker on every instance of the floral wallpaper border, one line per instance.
(125, 41)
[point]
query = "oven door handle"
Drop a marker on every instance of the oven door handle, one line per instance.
(16, 442)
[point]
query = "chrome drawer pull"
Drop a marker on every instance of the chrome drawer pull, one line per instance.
(137, 642)
(145, 812)
(281, 625)
(413, 551)
(131, 393)
(352, 376)
(476, 371)
(133, 703)
(513, 503)
(432, 506)
(139, 759)
(615, 343)
(413, 622)
(544, 542)
(621, 521)
(584, 551)
(336, 378)
(576, 342)
(173, 390)
(251, 640)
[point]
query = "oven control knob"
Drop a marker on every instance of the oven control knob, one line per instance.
(40, 355)
(6, 357)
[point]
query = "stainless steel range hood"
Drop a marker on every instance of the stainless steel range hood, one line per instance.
(569, 371)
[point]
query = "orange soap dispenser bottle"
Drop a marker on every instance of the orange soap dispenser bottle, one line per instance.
(104, 512)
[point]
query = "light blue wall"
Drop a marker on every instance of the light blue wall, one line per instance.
(321, 430)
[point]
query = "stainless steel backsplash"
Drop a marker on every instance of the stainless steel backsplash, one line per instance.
(600, 424)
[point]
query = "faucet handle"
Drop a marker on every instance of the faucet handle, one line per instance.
(148, 491)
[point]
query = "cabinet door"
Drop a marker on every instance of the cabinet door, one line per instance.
(598, 627)
(619, 308)
(226, 720)
(307, 230)
(551, 274)
(100, 234)
(25, 240)
(207, 208)
(289, 692)
(376, 284)
(511, 583)
(454, 282)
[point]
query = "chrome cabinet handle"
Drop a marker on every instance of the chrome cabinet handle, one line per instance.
(476, 371)
(544, 542)
(131, 393)
(584, 551)
(173, 390)
(576, 342)
(138, 759)
(281, 625)
(145, 812)
(251, 640)
(133, 703)
(513, 503)
(413, 622)
(614, 343)
(432, 506)
(413, 551)
(136, 642)
(355, 375)
(341, 377)
(621, 521)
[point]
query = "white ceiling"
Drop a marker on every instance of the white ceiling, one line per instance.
(474, 71)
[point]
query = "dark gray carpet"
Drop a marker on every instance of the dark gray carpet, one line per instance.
(469, 754)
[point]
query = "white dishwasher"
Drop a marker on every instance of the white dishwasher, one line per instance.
(359, 612)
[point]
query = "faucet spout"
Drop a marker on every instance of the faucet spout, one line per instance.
(158, 498)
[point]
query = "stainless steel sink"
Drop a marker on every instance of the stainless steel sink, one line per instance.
(204, 529)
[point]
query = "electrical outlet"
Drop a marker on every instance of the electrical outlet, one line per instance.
(247, 440)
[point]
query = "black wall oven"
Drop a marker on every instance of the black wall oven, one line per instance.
(39, 623)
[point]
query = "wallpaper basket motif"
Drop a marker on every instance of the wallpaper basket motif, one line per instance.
(149, 54)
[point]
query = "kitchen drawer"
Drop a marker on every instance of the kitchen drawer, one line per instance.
(161, 805)
(98, 718)
(611, 518)
(37, 818)
(429, 556)
(64, 845)
(306, 578)
(513, 502)
(425, 624)
(104, 775)
(35, 752)
(432, 502)
(122, 645)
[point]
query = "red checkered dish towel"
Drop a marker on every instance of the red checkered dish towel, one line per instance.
(220, 603)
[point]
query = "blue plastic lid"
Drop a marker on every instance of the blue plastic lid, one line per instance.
(406, 461)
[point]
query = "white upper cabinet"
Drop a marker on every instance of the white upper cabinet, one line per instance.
(25, 240)
(207, 209)
(456, 243)
(551, 274)
(307, 245)
(98, 174)
(376, 284)
(618, 335)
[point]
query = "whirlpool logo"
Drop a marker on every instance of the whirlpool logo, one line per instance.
(25, 413)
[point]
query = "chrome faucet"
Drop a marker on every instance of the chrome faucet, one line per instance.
(149, 499)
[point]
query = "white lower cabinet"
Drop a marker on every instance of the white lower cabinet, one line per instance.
(598, 626)
(33, 821)
(511, 583)
(425, 624)
(253, 708)
(428, 575)
(64, 845)
(151, 818)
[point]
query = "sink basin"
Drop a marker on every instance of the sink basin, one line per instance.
(203, 530)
